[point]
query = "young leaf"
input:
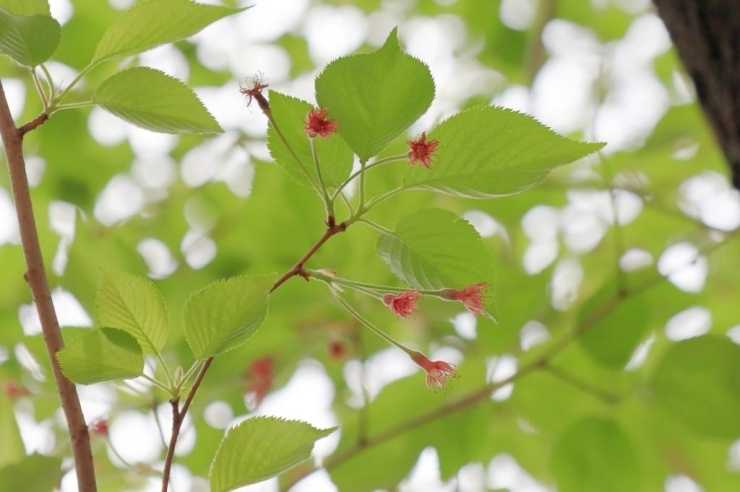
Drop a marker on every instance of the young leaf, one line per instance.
(614, 337)
(35, 472)
(596, 454)
(698, 381)
(488, 152)
(260, 448)
(133, 304)
(153, 100)
(29, 40)
(224, 314)
(102, 355)
(433, 249)
(26, 7)
(156, 22)
(335, 157)
(375, 96)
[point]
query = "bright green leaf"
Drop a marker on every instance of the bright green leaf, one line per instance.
(224, 314)
(596, 454)
(698, 381)
(613, 337)
(434, 249)
(375, 96)
(133, 304)
(12, 449)
(155, 101)
(26, 7)
(334, 156)
(29, 40)
(156, 22)
(260, 448)
(35, 472)
(103, 354)
(490, 151)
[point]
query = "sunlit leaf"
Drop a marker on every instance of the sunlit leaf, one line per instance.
(104, 354)
(155, 101)
(490, 151)
(224, 314)
(698, 381)
(29, 40)
(26, 7)
(35, 472)
(260, 448)
(434, 249)
(596, 454)
(613, 336)
(133, 304)
(375, 96)
(156, 22)
(334, 156)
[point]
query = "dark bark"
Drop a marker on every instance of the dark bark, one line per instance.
(706, 34)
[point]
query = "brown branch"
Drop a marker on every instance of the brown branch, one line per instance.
(39, 284)
(33, 124)
(178, 415)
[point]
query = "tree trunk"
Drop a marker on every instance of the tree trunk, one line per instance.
(706, 34)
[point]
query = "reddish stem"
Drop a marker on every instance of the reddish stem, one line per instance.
(39, 284)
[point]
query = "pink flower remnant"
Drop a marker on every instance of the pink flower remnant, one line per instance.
(421, 150)
(403, 304)
(318, 124)
(438, 372)
(469, 296)
(255, 92)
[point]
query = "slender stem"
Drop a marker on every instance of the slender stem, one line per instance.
(39, 284)
(63, 94)
(74, 105)
(329, 232)
(156, 383)
(328, 202)
(178, 416)
(361, 206)
(383, 197)
(291, 151)
(368, 324)
(39, 88)
(376, 226)
(380, 162)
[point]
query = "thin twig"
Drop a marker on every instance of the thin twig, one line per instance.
(39, 284)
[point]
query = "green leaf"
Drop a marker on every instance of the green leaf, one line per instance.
(29, 40)
(12, 449)
(133, 304)
(434, 249)
(104, 354)
(26, 7)
(490, 151)
(375, 96)
(596, 454)
(260, 448)
(156, 22)
(224, 314)
(153, 100)
(614, 336)
(35, 472)
(698, 381)
(335, 157)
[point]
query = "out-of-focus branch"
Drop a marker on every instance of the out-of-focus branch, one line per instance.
(36, 277)
(705, 34)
